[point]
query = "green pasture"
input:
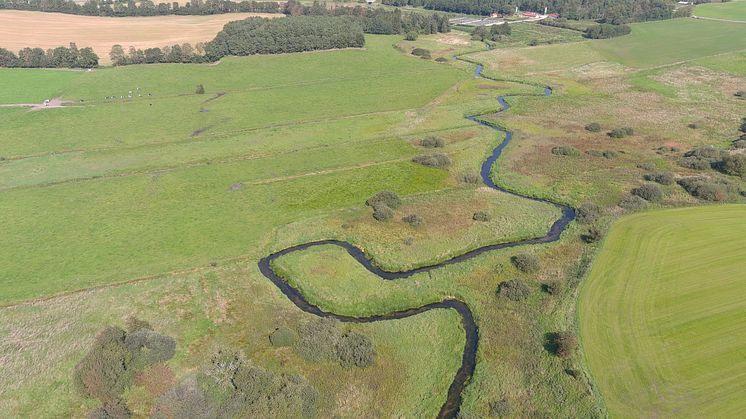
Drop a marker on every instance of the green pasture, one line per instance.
(732, 10)
(661, 314)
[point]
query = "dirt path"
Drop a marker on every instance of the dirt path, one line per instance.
(48, 104)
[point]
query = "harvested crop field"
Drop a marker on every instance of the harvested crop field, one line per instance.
(19, 29)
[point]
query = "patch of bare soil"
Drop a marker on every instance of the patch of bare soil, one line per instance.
(452, 39)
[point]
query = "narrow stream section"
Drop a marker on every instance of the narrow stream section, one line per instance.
(452, 404)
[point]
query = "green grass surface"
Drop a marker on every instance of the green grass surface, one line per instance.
(732, 10)
(33, 86)
(661, 314)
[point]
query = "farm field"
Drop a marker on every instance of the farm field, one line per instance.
(661, 314)
(51, 30)
(733, 10)
(164, 205)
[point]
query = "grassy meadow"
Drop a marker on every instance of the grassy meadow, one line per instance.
(732, 10)
(661, 314)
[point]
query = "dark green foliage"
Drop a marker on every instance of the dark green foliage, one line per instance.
(565, 150)
(565, 344)
(421, 52)
(386, 198)
(593, 235)
(605, 31)
(133, 324)
(472, 178)
(283, 336)
(734, 164)
(122, 9)
(741, 94)
(664, 178)
(200, 89)
(355, 350)
(481, 216)
(382, 213)
(593, 127)
(111, 409)
(500, 408)
(693, 125)
(148, 347)
(526, 262)
(646, 166)
(588, 213)
(183, 53)
(513, 290)
(442, 59)
(60, 57)
(104, 373)
(413, 219)
(432, 160)
(411, 36)
(432, 142)
(554, 287)
(704, 188)
(318, 340)
(621, 132)
(289, 34)
(632, 203)
(648, 192)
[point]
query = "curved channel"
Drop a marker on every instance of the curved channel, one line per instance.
(452, 404)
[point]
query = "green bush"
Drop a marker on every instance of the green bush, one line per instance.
(588, 213)
(386, 198)
(565, 150)
(421, 52)
(442, 59)
(648, 192)
(646, 166)
(593, 235)
(664, 178)
(200, 89)
(104, 372)
(526, 262)
(413, 219)
(186, 400)
(355, 350)
(481, 216)
(148, 347)
(411, 36)
(513, 290)
(471, 178)
(432, 142)
(633, 203)
(704, 188)
(283, 336)
(133, 324)
(317, 340)
(566, 344)
(382, 213)
(593, 127)
(621, 132)
(554, 287)
(111, 409)
(734, 164)
(432, 160)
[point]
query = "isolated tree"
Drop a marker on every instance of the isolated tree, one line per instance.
(117, 55)
(200, 89)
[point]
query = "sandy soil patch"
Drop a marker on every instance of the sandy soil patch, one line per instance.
(453, 39)
(19, 29)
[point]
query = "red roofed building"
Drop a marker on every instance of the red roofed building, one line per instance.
(529, 14)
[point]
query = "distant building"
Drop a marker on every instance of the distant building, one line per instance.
(529, 14)
(553, 15)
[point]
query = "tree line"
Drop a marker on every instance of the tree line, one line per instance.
(60, 57)
(184, 53)
(122, 8)
(375, 21)
(608, 11)
(606, 30)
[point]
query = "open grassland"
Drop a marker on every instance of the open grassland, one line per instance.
(20, 29)
(732, 10)
(661, 314)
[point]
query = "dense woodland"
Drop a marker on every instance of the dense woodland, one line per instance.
(611, 11)
(121, 8)
(60, 57)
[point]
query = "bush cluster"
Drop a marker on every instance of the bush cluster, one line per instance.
(648, 192)
(664, 178)
(593, 235)
(702, 158)
(565, 150)
(494, 33)
(593, 127)
(704, 188)
(526, 262)
(472, 178)
(411, 36)
(513, 290)
(733, 164)
(421, 52)
(564, 344)
(123, 9)
(632, 203)
(605, 31)
(432, 142)
(609, 154)
(588, 213)
(60, 57)
(413, 219)
(383, 204)
(184, 53)
(621, 132)
(481, 216)
(321, 340)
(432, 160)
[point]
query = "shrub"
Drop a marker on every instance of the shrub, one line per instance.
(648, 192)
(432, 160)
(413, 219)
(566, 343)
(481, 216)
(104, 372)
(148, 347)
(186, 400)
(588, 213)
(411, 36)
(386, 198)
(526, 262)
(533, 43)
(621, 132)
(553, 288)
(742, 127)
(317, 340)
(200, 89)
(442, 59)
(593, 127)
(565, 150)
(513, 290)
(703, 188)
(632, 203)
(282, 336)
(432, 142)
(696, 163)
(355, 350)
(693, 125)
(740, 143)
(500, 408)
(734, 164)
(646, 166)
(421, 52)
(741, 94)
(133, 324)
(664, 178)
(593, 235)
(472, 178)
(606, 30)
(382, 213)
(111, 409)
